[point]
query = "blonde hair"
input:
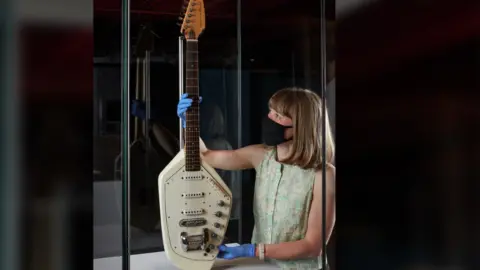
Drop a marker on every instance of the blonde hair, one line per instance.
(304, 107)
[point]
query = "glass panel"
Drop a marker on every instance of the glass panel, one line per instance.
(277, 51)
(330, 35)
(107, 185)
(155, 92)
(219, 87)
(9, 259)
(280, 48)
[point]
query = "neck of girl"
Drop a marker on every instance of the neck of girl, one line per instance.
(283, 150)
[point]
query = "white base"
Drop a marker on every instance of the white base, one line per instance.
(159, 261)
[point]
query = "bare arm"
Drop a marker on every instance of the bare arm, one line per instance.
(311, 245)
(243, 158)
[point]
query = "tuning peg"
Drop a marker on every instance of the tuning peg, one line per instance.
(180, 18)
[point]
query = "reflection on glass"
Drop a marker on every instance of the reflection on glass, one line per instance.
(280, 48)
(107, 187)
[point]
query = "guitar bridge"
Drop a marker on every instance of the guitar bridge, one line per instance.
(193, 242)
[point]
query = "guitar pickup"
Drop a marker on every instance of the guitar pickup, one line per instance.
(193, 177)
(193, 195)
(193, 212)
(196, 222)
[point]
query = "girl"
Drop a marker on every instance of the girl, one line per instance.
(288, 186)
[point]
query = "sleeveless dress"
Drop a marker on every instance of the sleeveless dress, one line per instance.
(281, 204)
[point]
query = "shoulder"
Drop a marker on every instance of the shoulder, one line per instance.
(255, 153)
(258, 153)
(330, 179)
(329, 169)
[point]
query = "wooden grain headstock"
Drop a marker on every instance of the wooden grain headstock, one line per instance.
(193, 22)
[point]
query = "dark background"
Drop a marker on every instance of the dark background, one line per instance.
(406, 123)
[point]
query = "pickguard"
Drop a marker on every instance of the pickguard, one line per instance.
(195, 209)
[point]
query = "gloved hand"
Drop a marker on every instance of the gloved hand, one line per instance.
(183, 106)
(138, 109)
(229, 253)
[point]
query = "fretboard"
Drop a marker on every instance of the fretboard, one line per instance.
(192, 129)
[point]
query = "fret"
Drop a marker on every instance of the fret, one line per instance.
(192, 129)
(191, 75)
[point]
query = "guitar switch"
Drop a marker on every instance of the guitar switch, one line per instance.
(206, 235)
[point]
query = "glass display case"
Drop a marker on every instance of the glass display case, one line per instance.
(155, 84)
(107, 116)
(247, 51)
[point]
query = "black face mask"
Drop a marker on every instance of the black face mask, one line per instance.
(273, 133)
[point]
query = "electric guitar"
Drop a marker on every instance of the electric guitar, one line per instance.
(195, 203)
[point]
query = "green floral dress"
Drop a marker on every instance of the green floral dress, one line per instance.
(283, 194)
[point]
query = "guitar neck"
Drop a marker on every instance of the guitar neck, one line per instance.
(192, 129)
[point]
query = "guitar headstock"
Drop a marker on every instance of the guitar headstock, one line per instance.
(193, 22)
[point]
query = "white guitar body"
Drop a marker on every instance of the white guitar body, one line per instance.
(194, 209)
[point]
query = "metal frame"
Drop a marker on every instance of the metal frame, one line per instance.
(323, 61)
(146, 96)
(11, 154)
(125, 68)
(239, 108)
(181, 82)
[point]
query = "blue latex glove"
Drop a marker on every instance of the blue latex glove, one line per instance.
(183, 106)
(138, 109)
(229, 253)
